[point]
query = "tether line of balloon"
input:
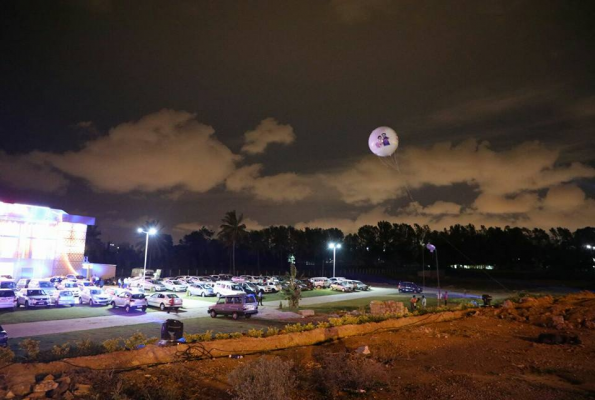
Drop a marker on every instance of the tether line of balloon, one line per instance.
(383, 142)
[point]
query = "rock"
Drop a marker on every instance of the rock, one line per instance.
(64, 385)
(387, 307)
(507, 304)
(49, 377)
(82, 390)
(307, 313)
(10, 395)
(36, 395)
(363, 350)
(557, 338)
(21, 389)
(45, 386)
(68, 396)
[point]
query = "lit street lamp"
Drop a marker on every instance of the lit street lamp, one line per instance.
(334, 246)
(151, 231)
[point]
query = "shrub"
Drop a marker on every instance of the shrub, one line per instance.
(135, 340)
(271, 331)
(292, 328)
(30, 347)
(308, 327)
(266, 378)
(335, 321)
(323, 325)
(342, 371)
(255, 333)
(207, 336)
(61, 351)
(235, 335)
(221, 336)
(6, 356)
(84, 345)
(112, 345)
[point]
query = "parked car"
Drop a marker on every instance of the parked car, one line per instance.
(130, 301)
(227, 288)
(94, 296)
(154, 285)
(62, 298)
(33, 298)
(70, 285)
(199, 289)
(8, 299)
(3, 338)
(321, 282)
(342, 286)
(56, 280)
(274, 287)
(336, 279)
(175, 285)
(164, 301)
(6, 283)
(248, 288)
(83, 283)
(361, 286)
(235, 305)
(409, 287)
(44, 284)
(23, 283)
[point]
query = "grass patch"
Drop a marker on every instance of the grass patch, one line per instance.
(22, 315)
(193, 325)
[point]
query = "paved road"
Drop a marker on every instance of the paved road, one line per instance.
(193, 308)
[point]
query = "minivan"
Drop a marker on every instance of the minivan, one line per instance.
(226, 288)
(8, 299)
(235, 305)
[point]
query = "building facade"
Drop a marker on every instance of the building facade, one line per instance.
(39, 242)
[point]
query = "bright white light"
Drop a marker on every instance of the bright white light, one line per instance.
(331, 245)
(589, 246)
(152, 231)
(339, 246)
(139, 230)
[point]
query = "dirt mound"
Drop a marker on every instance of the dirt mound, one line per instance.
(575, 311)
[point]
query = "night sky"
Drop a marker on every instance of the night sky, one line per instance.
(182, 110)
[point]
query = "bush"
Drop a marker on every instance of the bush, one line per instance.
(112, 345)
(351, 372)
(6, 356)
(221, 336)
(135, 340)
(31, 348)
(235, 335)
(323, 325)
(271, 331)
(266, 378)
(255, 333)
(61, 351)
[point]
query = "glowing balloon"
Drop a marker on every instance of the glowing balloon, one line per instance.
(431, 247)
(383, 141)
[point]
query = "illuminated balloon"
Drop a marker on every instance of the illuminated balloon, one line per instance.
(431, 247)
(383, 141)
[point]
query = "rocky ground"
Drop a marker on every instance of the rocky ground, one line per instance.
(532, 349)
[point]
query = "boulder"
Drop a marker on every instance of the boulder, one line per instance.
(387, 307)
(21, 389)
(36, 395)
(45, 386)
(306, 313)
(363, 350)
(82, 390)
(49, 377)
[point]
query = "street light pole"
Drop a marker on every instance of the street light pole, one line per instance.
(150, 231)
(334, 247)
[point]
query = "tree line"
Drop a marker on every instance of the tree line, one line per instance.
(385, 247)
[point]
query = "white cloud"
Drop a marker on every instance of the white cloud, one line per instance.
(269, 131)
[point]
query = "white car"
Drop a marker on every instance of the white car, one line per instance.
(164, 301)
(175, 285)
(8, 299)
(33, 298)
(342, 286)
(44, 284)
(72, 286)
(321, 282)
(275, 287)
(84, 284)
(130, 301)
(227, 288)
(94, 296)
(62, 298)
(199, 289)
(264, 288)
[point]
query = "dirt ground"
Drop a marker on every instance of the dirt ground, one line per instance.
(490, 355)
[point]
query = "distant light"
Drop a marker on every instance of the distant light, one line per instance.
(589, 247)
(152, 231)
(139, 230)
(339, 246)
(331, 245)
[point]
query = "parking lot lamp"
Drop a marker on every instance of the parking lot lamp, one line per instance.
(150, 231)
(334, 246)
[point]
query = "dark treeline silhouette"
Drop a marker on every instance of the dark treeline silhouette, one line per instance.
(383, 249)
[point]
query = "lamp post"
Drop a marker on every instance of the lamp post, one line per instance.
(334, 246)
(432, 249)
(150, 231)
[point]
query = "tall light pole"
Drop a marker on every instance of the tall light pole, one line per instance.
(150, 231)
(334, 246)
(432, 249)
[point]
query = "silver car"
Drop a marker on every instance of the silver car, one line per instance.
(94, 297)
(33, 298)
(199, 289)
(63, 298)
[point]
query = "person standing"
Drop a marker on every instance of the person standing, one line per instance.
(259, 297)
(413, 302)
(423, 301)
(445, 298)
(120, 283)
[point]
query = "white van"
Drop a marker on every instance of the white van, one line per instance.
(7, 284)
(8, 299)
(321, 282)
(45, 284)
(227, 288)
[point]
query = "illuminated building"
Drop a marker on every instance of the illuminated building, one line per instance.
(38, 242)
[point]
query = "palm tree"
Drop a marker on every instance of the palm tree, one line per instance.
(232, 231)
